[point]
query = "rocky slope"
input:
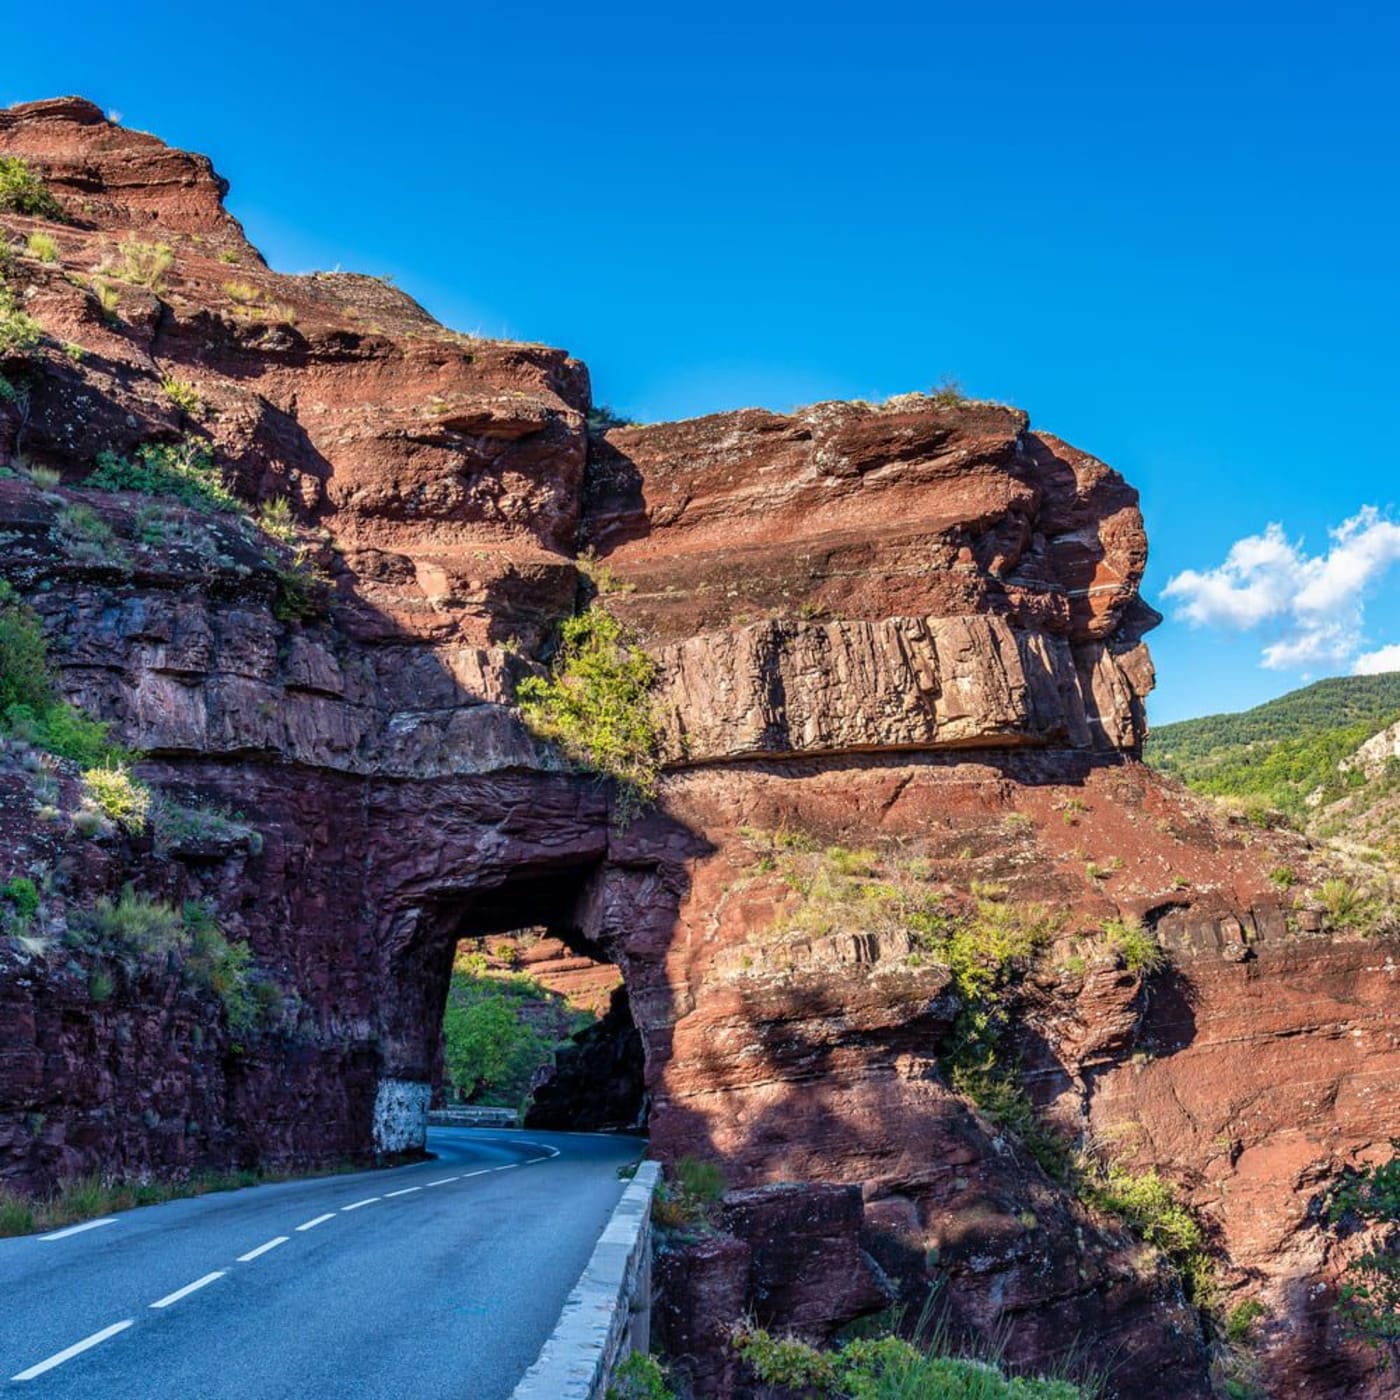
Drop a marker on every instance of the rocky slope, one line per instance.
(910, 628)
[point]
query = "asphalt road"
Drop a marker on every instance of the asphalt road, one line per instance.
(439, 1279)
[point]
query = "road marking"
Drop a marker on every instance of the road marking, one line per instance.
(187, 1289)
(68, 1353)
(319, 1220)
(78, 1229)
(444, 1181)
(505, 1168)
(368, 1201)
(262, 1249)
(482, 1172)
(407, 1190)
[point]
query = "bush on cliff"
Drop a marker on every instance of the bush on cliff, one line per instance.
(23, 191)
(596, 704)
(1369, 1296)
(19, 332)
(185, 471)
(135, 926)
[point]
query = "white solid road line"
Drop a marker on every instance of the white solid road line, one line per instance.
(78, 1229)
(68, 1353)
(445, 1180)
(262, 1249)
(407, 1190)
(187, 1289)
(368, 1201)
(319, 1220)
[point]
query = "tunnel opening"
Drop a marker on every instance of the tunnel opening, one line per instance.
(503, 1000)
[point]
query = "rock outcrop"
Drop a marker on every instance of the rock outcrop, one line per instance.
(912, 626)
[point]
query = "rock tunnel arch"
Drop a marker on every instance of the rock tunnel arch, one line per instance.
(598, 1082)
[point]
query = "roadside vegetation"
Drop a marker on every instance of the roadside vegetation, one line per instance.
(891, 1368)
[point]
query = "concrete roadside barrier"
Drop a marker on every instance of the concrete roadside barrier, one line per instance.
(609, 1312)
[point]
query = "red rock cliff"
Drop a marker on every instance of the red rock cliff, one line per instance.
(913, 627)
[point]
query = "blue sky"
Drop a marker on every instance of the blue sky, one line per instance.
(1166, 230)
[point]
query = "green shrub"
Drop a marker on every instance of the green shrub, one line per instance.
(121, 797)
(700, 1180)
(24, 675)
(602, 416)
(947, 393)
(62, 730)
(89, 537)
(888, 1368)
(498, 1031)
(109, 298)
(596, 704)
(22, 191)
(133, 923)
(1148, 1205)
(184, 396)
(1368, 1299)
(19, 333)
(1348, 905)
(277, 519)
(145, 264)
(22, 895)
(1139, 950)
(185, 471)
(1239, 1324)
(301, 587)
(639, 1377)
(215, 964)
(42, 246)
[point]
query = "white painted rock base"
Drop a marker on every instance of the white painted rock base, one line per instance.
(401, 1115)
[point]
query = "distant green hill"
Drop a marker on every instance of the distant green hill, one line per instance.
(1282, 751)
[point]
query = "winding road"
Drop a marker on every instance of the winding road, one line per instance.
(443, 1278)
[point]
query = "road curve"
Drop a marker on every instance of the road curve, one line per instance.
(439, 1279)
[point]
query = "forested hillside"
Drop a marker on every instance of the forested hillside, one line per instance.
(1282, 752)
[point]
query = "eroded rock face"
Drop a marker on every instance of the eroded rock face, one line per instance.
(910, 576)
(912, 626)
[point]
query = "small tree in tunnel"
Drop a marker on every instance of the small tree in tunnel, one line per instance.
(491, 1048)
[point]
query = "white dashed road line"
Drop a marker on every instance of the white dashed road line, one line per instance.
(68, 1353)
(187, 1289)
(262, 1249)
(78, 1229)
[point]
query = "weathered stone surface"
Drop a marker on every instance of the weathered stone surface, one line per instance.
(853, 578)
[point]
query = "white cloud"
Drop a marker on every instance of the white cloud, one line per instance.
(1317, 601)
(1372, 663)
